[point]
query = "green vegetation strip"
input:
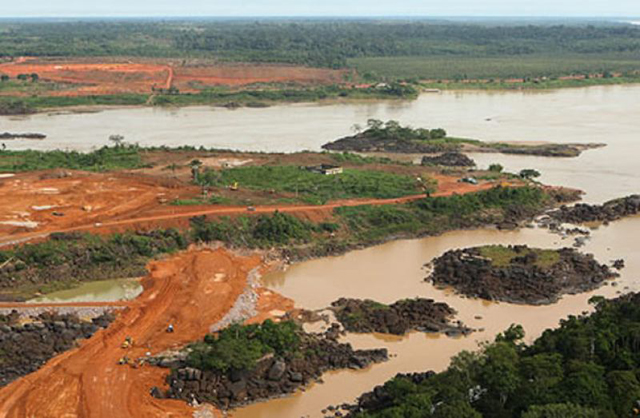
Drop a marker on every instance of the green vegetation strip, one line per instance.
(104, 159)
(313, 187)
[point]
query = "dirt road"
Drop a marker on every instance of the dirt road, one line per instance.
(191, 290)
(171, 215)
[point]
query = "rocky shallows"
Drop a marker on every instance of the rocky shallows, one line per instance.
(609, 211)
(27, 343)
(518, 274)
(245, 364)
(426, 315)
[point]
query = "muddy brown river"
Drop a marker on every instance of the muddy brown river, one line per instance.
(395, 270)
(606, 114)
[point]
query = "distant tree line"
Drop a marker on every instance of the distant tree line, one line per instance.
(314, 43)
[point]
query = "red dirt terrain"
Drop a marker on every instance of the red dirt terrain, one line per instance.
(192, 290)
(60, 199)
(102, 77)
(108, 203)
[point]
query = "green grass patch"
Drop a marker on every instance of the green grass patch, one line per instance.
(104, 159)
(502, 256)
(315, 188)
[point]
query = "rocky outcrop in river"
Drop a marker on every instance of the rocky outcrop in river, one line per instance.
(272, 376)
(398, 318)
(365, 142)
(518, 274)
(9, 135)
(26, 346)
(609, 211)
(449, 159)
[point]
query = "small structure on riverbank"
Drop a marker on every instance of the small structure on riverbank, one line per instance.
(325, 169)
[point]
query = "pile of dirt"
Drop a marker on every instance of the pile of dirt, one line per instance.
(609, 211)
(272, 377)
(449, 159)
(519, 274)
(26, 346)
(398, 318)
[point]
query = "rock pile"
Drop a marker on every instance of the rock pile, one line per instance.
(609, 211)
(25, 347)
(449, 159)
(523, 280)
(398, 318)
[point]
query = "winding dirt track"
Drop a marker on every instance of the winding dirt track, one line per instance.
(192, 290)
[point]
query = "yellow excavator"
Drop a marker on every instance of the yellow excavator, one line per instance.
(127, 343)
(234, 186)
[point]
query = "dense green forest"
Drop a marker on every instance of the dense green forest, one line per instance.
(451, 47)
(588, 368)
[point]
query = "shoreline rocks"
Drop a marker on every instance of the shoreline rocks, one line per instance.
(272, 377)
(530, 276)
(449, 159)
(607, 212)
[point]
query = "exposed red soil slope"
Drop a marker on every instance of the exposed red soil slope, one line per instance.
(103, 77)
(192, 291)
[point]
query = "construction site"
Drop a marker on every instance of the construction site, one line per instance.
(110, 76)
(184, 295)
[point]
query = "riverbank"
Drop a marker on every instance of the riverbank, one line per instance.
(253, 98)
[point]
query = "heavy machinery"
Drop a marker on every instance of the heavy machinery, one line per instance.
(234, 186)
(127, 343)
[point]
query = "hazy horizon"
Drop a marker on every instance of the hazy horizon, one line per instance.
(594, 9)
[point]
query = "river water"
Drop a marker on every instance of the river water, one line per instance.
(395, 270)
(607, 114)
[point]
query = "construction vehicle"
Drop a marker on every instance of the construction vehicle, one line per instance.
(124, 360)
(234, 186)
(127, 343)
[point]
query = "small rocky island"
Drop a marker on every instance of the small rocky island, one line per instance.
(29, 135)
(250, 363)
(391, 137)
(406, 315)
(518, 274)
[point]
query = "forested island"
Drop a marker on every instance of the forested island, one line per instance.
(392, 137)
